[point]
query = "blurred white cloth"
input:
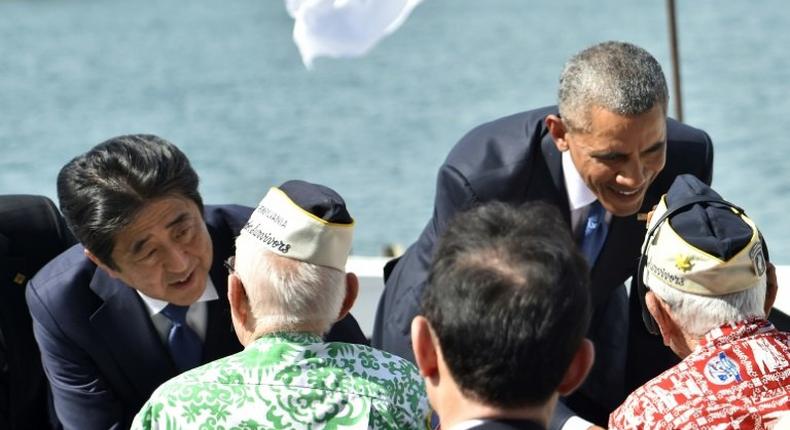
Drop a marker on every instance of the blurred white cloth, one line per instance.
(344, 28)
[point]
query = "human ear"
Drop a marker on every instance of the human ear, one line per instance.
(352, 290)
(424, 348)
(578, 369)
(557, 131)
(239, 309)
(658, 309)
(771, 288)
(93, 258)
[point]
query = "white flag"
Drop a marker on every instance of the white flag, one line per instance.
(344, 28)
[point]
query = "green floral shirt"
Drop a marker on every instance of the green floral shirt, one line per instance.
(292, 381)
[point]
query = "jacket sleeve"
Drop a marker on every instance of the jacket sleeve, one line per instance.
(405, 283)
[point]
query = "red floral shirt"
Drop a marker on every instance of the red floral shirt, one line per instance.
(738, 377)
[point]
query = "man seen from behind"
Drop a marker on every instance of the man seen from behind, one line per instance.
(501, 332)
(287, 286)
(707, 287)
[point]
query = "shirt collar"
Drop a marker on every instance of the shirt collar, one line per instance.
(155, 305)
(730, 332)
(579, 195)
(468, 424)
(297, 337)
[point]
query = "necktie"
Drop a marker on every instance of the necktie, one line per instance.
(609, 328)
(186, 348)
(594, 232)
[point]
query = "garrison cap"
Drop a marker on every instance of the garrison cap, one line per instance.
(304, 221)
(709, 247)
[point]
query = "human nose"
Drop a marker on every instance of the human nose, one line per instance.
(177, 259)
(633, 174)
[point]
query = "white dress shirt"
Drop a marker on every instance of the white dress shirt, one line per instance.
(579, 200)
(579, 195)
(466, 425)
(197, 315)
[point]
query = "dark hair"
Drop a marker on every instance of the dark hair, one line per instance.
(508, 298)
(101, 191)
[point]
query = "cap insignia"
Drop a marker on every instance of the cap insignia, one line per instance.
(683, 262)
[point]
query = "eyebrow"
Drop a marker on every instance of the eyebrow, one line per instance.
(138, 246)
(654, 147)
(607, 154)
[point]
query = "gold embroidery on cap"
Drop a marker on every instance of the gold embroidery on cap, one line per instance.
(683, 262)
(19, 279)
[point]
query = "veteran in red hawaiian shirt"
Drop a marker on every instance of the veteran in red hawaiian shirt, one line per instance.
(708, 286)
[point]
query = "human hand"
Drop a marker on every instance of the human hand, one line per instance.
(771, 288)
(646, 216)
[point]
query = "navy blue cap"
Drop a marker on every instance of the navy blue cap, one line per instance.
(709, 226)
(699, 243)
(319, 200)
(303, 221)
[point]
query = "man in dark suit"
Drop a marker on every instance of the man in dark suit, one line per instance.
(32, 232)
(505, 282)
(605, 154)
(143, 296)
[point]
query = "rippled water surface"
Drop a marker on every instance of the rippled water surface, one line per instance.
(224, 82)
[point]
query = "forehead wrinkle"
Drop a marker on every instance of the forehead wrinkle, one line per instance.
(138, 245)
(655, 146)
(612, 132)
(178, 219)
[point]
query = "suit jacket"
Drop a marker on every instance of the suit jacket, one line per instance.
(101, 352)
(32, 232)
(515, 160)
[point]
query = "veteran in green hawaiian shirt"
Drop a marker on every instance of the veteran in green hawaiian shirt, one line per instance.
(286, 288)
(292, 381)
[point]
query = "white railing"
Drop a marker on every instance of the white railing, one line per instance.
(371, 284)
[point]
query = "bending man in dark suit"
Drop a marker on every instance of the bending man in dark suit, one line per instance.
(609, 145)
(504, 282)
(32, 232)
(143, 297)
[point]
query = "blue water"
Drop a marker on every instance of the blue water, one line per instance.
(224, 81)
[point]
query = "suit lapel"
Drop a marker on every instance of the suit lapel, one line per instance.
(625, 237)
(549, 184)
(221, 340)
(125, 327)
(611, 270)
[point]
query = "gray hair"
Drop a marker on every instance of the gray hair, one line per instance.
(619, 77)
(698, 314)
(287, 294)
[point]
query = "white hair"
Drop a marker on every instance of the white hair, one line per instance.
(698, 314)
(287, 294)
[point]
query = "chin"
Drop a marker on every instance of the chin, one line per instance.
(200, 288)
(626, 213)
(190, 296)
(624, 209)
